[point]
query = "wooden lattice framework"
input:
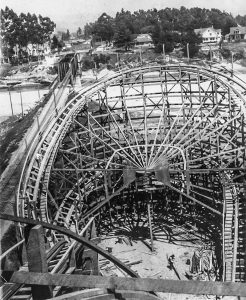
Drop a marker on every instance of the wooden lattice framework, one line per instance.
(169, 136)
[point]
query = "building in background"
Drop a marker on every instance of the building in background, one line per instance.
(144, 40)
(237, 34)
(209, 35)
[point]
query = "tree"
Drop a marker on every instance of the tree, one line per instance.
(168, 38)
(31, 30)
(67, 35)
(228, 23)
(47, 27)
(123, 28)
(122, 36)
(88, 30)
(18, 31)
(103, 28)
(56, 44)
(166, 25)
(193, 40)
(241, 20)
(79, 32)
(10, 28)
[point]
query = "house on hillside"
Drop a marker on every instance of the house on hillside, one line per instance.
(143, 40)
(237, 34)
(209, 35)
(37, 49)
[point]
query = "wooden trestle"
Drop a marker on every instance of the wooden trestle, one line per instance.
(172, 136)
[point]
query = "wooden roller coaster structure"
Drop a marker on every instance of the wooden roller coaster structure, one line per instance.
(170, 137)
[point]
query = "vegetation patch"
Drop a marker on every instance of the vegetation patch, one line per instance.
(11, 261)
(12, 132)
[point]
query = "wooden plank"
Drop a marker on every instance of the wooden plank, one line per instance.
(132, 284)
(78, 295)
(37, 260)
(84, 294)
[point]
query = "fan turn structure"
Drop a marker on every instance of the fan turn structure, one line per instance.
(172, 136)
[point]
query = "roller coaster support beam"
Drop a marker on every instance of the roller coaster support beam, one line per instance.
(150, 226)
(132, 284)
(92, 255)
(74, 236)
(37, 260)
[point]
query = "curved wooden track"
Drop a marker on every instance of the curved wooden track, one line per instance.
(160, 130)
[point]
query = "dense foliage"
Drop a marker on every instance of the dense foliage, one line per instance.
(56, 44)
(94, 61)
(20, 30)
(169, 26)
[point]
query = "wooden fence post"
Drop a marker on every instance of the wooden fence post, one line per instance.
(37, 261)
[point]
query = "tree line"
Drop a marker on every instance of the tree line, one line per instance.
(169, 26)
(17, 31)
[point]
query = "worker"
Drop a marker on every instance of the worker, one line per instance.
(171, 260)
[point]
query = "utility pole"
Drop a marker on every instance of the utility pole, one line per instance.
(118, 61)
(232, 54)
(210, 51)
(163, 51)
(188, 53)
(141, 60)
(95, 69)
(21, 104)
(11, 103)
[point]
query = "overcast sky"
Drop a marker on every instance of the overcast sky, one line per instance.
(73, 13)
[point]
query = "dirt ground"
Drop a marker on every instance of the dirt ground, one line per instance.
(150, 264)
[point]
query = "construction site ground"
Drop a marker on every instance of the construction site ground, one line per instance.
(151, 264)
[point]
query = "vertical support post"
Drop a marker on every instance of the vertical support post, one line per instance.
(141, 60)
(105, 183)
(95, 70)
(90, 255)
(22, 112)
(37, 261)
(210, 52)
(10, 99)
(188, 52)
(235, 243)
(163, 51)
(59, 72)
(54, 97)
(232, 64)
(118, 61)
(38, 93)
(72, 259)
(150, 227)
(223, 230)
(187, 173)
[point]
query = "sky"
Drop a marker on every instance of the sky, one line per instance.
(74, 13)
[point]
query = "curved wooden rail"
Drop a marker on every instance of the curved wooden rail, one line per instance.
(34, 183)
(58, 127)
(75, 237)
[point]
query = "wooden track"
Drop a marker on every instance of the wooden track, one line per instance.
(189, 117)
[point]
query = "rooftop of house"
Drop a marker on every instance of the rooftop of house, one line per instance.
(143, 38)
(202, 30)
(240, 29)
